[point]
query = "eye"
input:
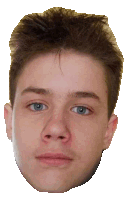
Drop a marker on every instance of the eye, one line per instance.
(82, 110)
(36, 106)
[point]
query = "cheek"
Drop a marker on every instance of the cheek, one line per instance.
(24, 135)
(88, 137)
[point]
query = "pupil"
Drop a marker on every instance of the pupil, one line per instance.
(37, 106)
(81, 109)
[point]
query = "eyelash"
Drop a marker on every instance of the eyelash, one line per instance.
(73, 107)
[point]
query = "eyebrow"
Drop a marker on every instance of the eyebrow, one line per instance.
(47, 92)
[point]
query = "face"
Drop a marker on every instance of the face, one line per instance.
(59, 122)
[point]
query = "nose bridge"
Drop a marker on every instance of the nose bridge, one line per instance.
(58, 111)
(58, 116)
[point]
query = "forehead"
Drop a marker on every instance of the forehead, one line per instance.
(69, 72)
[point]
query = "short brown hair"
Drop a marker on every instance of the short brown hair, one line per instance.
(59, 28)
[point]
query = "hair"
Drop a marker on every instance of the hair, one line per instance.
(60, 29)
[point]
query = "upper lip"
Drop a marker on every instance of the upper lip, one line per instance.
(54, 155)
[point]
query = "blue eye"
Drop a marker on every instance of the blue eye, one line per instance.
(82, 110)
(36, 106)
(79, 109)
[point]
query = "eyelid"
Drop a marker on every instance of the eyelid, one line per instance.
(90, 109)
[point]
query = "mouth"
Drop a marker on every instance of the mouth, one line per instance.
(54, 159)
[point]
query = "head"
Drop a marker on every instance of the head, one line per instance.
(64, 83)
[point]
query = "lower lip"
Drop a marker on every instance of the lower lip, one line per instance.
(54, 161)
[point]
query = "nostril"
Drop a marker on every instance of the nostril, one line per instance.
(61, 137)
(48, 136)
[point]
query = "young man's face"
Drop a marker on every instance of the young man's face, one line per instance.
(78, 126)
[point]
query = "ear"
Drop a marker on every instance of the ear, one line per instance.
(112, 126)
(8, 120)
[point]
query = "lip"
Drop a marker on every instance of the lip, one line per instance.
(55, 156)
(56, 159)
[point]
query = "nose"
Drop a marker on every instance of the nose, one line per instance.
(55, 137)
(56, 129)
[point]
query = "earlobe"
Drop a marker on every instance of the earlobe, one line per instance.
(8, 120)
(112, 126)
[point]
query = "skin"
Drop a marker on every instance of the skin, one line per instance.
(84, 136)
